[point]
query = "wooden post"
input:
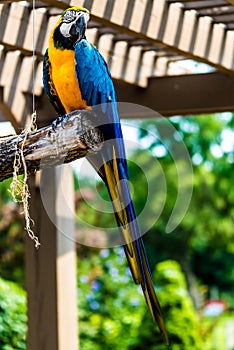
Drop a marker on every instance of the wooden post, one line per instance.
(51, 270)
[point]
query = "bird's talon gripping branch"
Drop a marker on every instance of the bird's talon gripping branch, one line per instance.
(64, 120)
(55, 123)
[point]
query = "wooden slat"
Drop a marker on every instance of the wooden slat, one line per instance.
(4, 13)
(104, 45)
(74, 3)
(98, 7)
(119, 11)
(39, 29)
(49, 27)
(132, 64)
(38, 88)
(203, 32)
(92, 34)
(156, 19)
(227, 58)
(174, 20)
(128, 14)
(6, 110)
(2, 59)
(161, 66)
(216, 42)
(118, 59)
(25, 75)
(13, 23)
(10, 69)
(12, 79)
(189, 22)
(138, 15)
(145, 68)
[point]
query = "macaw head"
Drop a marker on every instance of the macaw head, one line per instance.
(71, 27)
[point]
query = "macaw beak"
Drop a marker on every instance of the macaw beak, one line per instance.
(79, 27)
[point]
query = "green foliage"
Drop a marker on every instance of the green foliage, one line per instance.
(112, 310)
(181, 320)
(5, 195)
(13, 320)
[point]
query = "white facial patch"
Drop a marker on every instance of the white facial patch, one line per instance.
(65, 29)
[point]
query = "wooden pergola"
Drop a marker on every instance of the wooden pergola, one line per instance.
(145, 43)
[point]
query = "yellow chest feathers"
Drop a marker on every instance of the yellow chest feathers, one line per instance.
(64, 79)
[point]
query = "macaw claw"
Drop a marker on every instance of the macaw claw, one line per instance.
(59, 120)
(55, 123)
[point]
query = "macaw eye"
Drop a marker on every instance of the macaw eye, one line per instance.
(69, 16)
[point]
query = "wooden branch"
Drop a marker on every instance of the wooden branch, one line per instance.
(45, 148)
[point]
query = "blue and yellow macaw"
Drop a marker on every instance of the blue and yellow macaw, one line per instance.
(75, 77)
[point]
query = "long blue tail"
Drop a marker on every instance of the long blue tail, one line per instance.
(113, 174)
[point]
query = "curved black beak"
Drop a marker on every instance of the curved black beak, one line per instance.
(79, 27)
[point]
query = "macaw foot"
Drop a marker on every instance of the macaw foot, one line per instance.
(59, 120)
(55, 123)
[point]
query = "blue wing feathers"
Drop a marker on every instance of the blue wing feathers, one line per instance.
(91, 68)
(97, 88)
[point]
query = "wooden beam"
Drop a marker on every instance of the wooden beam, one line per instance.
(51, 270)
(179, 95)
(66, 258)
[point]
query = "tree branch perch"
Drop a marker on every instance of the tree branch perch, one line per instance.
(45, 148)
